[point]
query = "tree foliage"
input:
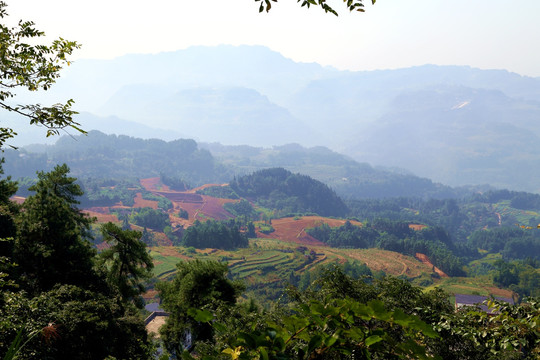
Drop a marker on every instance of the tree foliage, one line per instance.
(214, 234)
(150, 218)
(197, 284)
(51, 229)
(27, 65)
(280, 189)
(58, 302)
(352, 5)
(127, 262)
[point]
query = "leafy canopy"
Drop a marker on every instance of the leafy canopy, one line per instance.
(32, 67)
(127, 261)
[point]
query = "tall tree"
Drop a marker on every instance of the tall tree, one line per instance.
(127, 261)
(197, 284)
(8, 209)
(51, 246)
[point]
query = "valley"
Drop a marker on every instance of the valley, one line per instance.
(286, 254)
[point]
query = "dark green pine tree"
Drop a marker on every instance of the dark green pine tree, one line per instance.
(51, 246)
(127, 262)
(8, 210)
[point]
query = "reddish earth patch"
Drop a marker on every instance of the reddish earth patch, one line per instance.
(205, 187)
(288, 229)
(417, 227)
(101, 217)
(153, 184)
(176, 196)
(18, 199)
(161, 239)
(171, 251)
(99, 209)
(202, 208)
(150, 294)
(141, 203)
(424, 259)
(500, 292)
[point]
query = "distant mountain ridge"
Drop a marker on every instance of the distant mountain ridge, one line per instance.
(454, 124)
(102, 156)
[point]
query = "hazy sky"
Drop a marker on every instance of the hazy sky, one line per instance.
(488, 34)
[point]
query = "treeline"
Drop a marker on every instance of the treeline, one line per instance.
(282, 190)
(214, 234)
(243, 209)
(521, 276)
(119, 157)
(395, 236)
(518, 199)
(173, 182)
(108, 192)
(512, 243)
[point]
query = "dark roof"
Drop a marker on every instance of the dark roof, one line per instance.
(152, 307)
(478, 301)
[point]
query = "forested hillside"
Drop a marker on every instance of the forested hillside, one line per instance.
(97, 155)
(282, 190)
(119, 157)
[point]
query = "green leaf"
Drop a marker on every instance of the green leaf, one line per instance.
(379, 311)
(331, 340)
(248, 339)
(263, 353)
(200, 315)
(314, 343)
(219, 327)
(373, 340)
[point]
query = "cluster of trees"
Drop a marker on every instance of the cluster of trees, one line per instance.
(518, 199)
(346, 235)
(511, 242)
(522, 276)
(162, 202)
(59, 297)
(395, 236)
(337, 316)
(174, 183)
(108, 192)
(243, 209)
(280, 189)
(150, 218)
(214, 234)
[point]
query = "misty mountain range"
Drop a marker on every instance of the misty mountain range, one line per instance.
(453, 124)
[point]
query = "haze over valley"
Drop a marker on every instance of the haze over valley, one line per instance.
(455, 125)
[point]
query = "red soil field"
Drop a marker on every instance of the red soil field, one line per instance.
(140, 202)
(292, 230)
(153, 184)
(176, 196)
(199, 207)
(424, 259)
(101, 216)
(207, 207)
(417, 227)
(204, 187)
